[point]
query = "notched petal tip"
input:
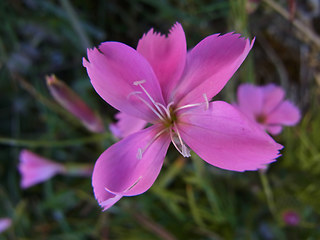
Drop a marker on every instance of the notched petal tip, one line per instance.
(85, 62)
(175, 27)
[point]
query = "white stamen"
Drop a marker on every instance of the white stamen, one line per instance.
(139, 154)
(139, 83)
(184, 151)
(165, 110)
(142, 151)
(206, 101)
(188, 106)
(133, 93)
(169, 105)
(136, 83)
(148, 105)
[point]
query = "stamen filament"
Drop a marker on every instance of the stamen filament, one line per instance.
(142, 151)
(188, 106)
(184, 149)
(206, 101)
(173, 142)
(165, 110)
(139, 83)
(148, 105)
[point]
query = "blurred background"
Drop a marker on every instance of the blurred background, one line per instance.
(190, 199)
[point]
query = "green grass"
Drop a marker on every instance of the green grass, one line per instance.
(190, 199)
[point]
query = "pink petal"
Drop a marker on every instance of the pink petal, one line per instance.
(109, 199)
(113, 70)
(272, 96)
(121, 172)
(167, 56)
(225, 138)
(250, 100)
(35, 169)
(71, 101)
(126, 125)
(286, 113)
(5, 223)
(274, 129)
(210, 65)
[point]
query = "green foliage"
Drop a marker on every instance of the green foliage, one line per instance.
(190, 199)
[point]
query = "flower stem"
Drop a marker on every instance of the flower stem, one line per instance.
(54, 143)
(268, 192)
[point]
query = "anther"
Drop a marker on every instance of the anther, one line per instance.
(139, 154)
(136, 83)
(206, 101)
(141, 151)
(178, 143)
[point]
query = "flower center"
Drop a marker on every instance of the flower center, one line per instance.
(261, 118)
(168, 116)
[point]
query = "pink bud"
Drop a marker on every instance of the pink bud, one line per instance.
(68, 99)
(35, 169)
(5, 223)
(291, 218)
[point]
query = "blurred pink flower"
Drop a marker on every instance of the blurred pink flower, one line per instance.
(266, 106)
(5, 223)
(291, 218)
(163, 84)
(35, 169)
(68, 99)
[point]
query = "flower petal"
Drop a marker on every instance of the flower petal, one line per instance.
(5, 223)
(114, 69)
(35, 169)
(109, 199)
(272, 97)
(250, 100)
(273, 129)
(167, 56)
(210, 65)
(225, 138)
(121, 171)
(286, 113)
(126, 125)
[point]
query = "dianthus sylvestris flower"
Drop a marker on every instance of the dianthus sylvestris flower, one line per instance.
(266, 106)
(162, 84)
(35, 169)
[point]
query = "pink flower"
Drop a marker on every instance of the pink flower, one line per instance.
(291, 218)
(68, 99)
(35, 169)
(266, 106)
(162, 84)
(5, 223)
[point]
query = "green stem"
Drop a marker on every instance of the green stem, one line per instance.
(54, 143)
(76, 23)
(268, 192)
(45, 101)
